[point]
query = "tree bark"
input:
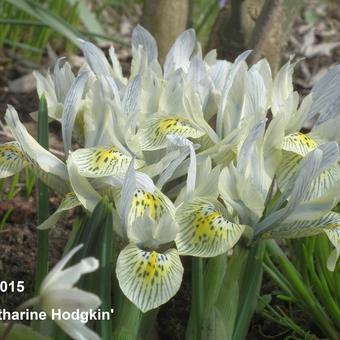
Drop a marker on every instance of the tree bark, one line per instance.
(165, 19)
(261, 25)
(270, 36)
(233, 27)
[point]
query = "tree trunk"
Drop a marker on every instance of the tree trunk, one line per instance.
(165, 19)
(270, 36)
(233, 27)
(261, 25)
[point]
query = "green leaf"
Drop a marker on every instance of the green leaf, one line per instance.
(89, 20)
(49, 18)
(21, 332)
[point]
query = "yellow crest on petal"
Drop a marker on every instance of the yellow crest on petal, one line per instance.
(12, 159)
(148, 278)
(204, 229)
(155, 203)
(153, 136)
(299, 143)
(101, 161)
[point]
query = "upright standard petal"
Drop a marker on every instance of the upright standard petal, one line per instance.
(71, 108)
(148, 278)
(180, 53)
(141, 37)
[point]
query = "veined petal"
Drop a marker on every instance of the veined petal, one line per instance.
(153, 135)
(86, 194)
(299, 143)
(141, 37)
(318, 187)
(71, 108)
(334, 236)
(148, 278)
(46, 166)
(155, 203)
(180, 53)
(204, 229)
(226, 90)
(116, 67)
(303, 228)
(95, 57)
(69, 202)
(56, 183)
(326, 96)
(191, 178)
(12, 160)
(102, 161)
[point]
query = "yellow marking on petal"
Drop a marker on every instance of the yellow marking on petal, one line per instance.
(143, 201)
(12, 159)
(148, 278)
(204, 230)
(209, 224)
(173, 125)
(152, 267)
(306, 140)
(299, 143)
(102, 161)
(106, 156)
(10, 153)
(153, 136)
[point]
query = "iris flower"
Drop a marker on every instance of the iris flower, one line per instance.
(233, 131)
(57, 292)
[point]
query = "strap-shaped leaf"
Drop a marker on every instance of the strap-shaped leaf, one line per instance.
(299, 143)
(148, 278)
(153, 135)
(204, 229)
(12, 160)
(102, 161)
(69, 202)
